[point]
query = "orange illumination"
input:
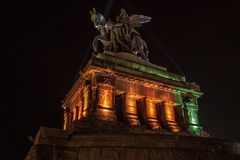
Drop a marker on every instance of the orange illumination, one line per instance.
(131, 105)
(132, 88)
(134, 122)
(152, 113)
(131, 109)
(169, 113)
(74, 113)
(105, 101)
(151, 109)
(90, 71)
(170, 117)
(105, 112)
(65, 121)
(85, 101)
(79, 104)
(79, 113)
(105, 98)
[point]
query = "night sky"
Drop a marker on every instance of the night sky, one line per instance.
(49, 41)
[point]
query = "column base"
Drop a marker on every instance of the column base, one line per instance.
(195, 129)
(133, 120)
(153, 123)
(105, 114)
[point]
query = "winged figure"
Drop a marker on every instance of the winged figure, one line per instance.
(121, 35)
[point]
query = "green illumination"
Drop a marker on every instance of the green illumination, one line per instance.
(140, 67)
(194, 126)
(192, 108)
(195, 129)
(193, 92)
(193, 118)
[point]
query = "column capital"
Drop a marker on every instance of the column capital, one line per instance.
(154, 100)
(134, 95)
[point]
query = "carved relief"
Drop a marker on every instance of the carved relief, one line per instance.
(105, 98)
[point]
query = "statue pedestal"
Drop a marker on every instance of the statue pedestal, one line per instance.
(55, 144)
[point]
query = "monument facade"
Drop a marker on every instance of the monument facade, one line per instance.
(124, 107)
(121, 85)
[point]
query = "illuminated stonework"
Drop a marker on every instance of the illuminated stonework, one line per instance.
(170, 117)
(131, 109)
(151, 111)
(123, 107)
(86, 100)
(121, 88)
(105, 98)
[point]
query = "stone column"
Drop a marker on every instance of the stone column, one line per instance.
(74, 113)
(65, 120)
(170, 117)
(86, 93)
(105, 98)
(152, 113)
(94, 91)
(192, 117)
(131, 109)
(80, 106)
(191, 114)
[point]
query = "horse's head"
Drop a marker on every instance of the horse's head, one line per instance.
(97, 18)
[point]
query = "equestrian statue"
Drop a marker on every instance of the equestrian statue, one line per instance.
(121, 35)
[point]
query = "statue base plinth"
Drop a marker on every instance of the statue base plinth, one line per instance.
(55, 144)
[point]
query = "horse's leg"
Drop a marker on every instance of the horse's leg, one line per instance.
(95, 43)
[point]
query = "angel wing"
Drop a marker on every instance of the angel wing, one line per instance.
(137, 20)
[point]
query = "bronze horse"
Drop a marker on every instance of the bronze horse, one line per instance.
(120, 36)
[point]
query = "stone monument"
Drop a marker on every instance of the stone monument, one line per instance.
(122, 107)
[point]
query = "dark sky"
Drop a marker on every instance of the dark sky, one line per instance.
(48, 42)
